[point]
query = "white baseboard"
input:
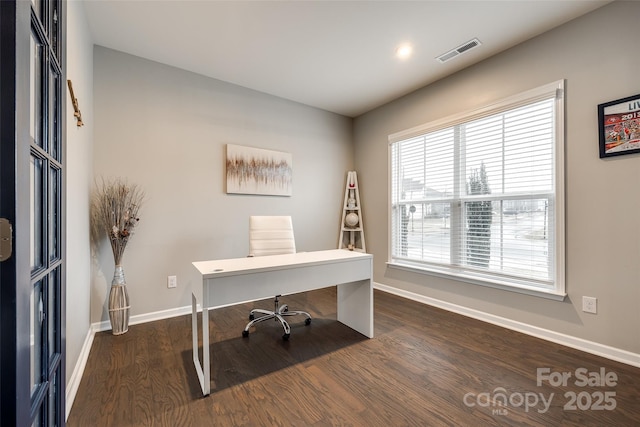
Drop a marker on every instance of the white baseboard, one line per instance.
(78, 370)
(105, 325)
(602, 350)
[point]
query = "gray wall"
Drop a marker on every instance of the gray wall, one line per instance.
(79, 175)
(166, 130)
(594, 54)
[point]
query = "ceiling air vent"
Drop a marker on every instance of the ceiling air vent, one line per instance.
(457, 51)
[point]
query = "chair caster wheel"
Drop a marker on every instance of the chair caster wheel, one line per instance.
(307, 322)
(285, 337)
(251, 316)
(245, 334)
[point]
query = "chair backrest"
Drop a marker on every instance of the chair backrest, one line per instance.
(271, 235)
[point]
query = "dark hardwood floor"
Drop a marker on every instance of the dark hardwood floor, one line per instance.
(425, 367)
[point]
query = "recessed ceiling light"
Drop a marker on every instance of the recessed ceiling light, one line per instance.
(404, 51)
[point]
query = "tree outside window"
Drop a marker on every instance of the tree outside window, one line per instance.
(479, 219)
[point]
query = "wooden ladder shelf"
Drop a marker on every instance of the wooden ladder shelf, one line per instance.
(351, 227)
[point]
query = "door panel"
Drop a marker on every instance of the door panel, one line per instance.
(37, 212)
(36, 338)
(32, 155)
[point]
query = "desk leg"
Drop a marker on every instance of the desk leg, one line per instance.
(355, 306)
(206, 390)
(203, 370)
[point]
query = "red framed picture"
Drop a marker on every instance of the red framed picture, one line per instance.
(619, 126)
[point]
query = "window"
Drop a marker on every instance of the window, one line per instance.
(480, 196)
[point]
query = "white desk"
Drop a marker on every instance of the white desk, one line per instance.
(233, 281)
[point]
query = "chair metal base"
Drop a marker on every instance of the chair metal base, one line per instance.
(277, 314)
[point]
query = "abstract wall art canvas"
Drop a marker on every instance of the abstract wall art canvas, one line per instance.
(257, 171)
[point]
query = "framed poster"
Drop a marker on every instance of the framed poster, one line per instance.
(619, 126)
(257, 171)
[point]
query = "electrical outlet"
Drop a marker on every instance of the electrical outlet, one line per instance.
(172, 282)
(590, 305)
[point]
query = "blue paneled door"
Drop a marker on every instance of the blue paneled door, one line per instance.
(32, 268)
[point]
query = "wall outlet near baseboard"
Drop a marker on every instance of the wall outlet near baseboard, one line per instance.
(590, 305)
(172, 281)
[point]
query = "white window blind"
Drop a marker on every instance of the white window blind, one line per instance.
(480, 195)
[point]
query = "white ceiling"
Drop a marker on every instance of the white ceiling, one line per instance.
(334, 55)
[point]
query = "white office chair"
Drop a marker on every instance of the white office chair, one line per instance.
(272, 235)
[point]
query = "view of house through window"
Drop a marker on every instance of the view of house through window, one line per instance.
(478, 195)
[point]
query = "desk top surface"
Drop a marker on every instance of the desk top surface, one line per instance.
(234, 266)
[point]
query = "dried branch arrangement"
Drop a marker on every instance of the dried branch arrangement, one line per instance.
(114, 212)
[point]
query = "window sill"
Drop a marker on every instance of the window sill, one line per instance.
(505, 286)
